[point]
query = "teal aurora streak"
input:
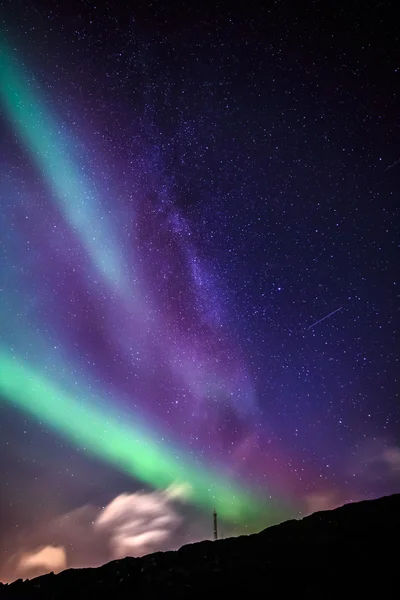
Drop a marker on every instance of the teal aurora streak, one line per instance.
(102, 432)
(53, 153)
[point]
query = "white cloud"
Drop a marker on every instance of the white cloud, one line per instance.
(49, 558)
(318, 501)
(140, 523)
(376, 460)
(391, 457)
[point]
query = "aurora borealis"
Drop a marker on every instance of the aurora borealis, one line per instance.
(127, 448)
(77, 420)
(197, 279)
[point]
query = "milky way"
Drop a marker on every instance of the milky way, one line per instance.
(174, 364)
(174, 215)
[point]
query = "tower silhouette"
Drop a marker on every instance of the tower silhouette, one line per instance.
(215, 516)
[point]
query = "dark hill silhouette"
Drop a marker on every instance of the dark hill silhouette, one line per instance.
(349, 552)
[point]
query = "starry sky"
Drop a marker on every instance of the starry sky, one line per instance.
(199, 250)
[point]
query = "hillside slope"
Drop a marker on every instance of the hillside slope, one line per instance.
(351, 551)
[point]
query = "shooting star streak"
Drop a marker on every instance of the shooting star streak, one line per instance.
(323, 318)
(391, 166)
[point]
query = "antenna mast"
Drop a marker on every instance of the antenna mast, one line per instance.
(215, 516)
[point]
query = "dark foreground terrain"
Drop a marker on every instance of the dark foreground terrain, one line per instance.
(351, 552)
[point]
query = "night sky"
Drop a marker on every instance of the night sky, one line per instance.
(199, 271)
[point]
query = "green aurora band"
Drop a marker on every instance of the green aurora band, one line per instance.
(109, 436)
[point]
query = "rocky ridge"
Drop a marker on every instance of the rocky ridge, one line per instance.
(351, 551)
